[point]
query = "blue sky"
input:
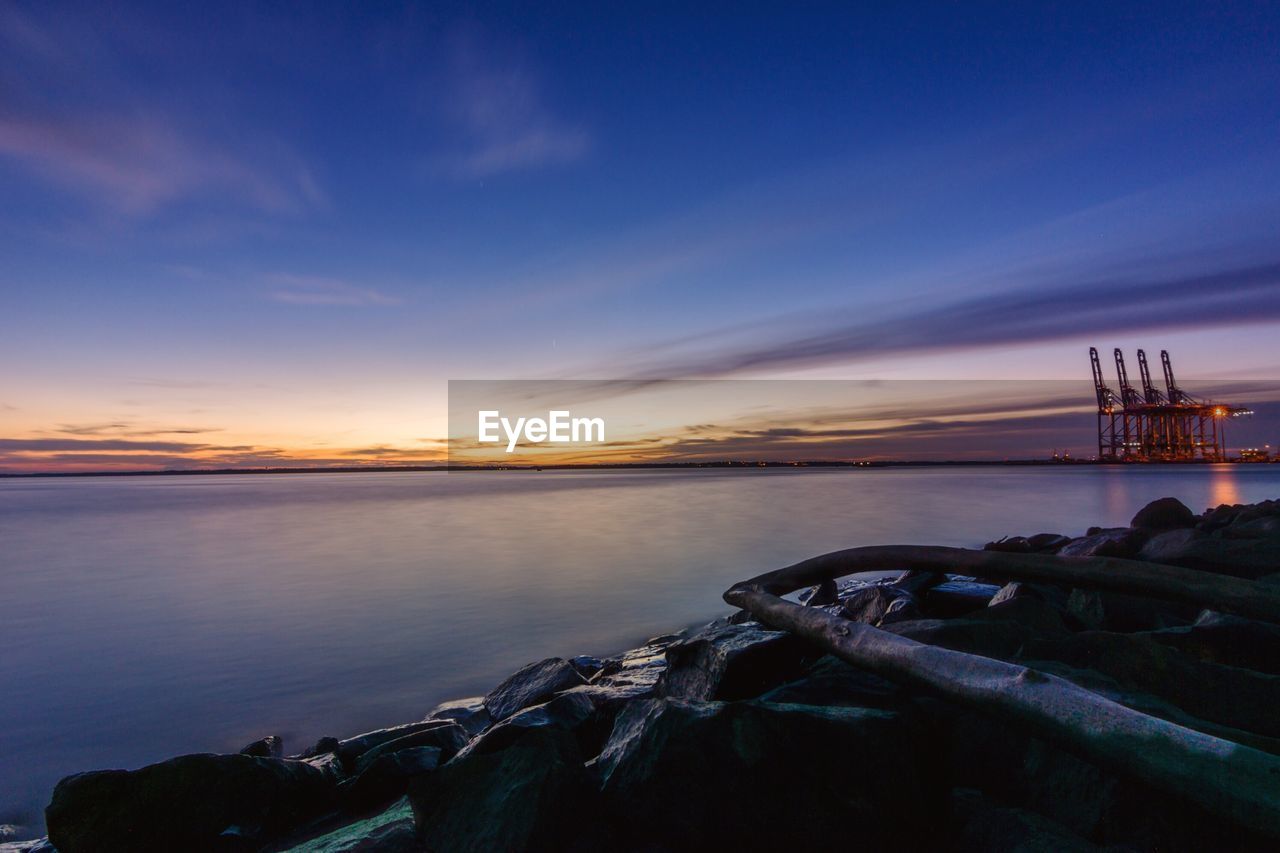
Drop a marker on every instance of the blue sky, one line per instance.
(286, 226)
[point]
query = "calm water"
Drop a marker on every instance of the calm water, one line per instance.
(145, 617)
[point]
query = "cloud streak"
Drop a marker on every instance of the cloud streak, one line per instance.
(312, 290)
(1229, 296)
(500, 111)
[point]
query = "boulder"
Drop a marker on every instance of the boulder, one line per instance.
(1228, 640)
(1115, 542)
(1010, 544)
(390, 831)
(532, 685)
(1114, 611)
(732, 662)
(1047, 543)
(193, 802)
(586, 665)
(957, 597)
(832, 682)
(1256, 528)
(1225, 695)
(980, 825)
(759, 776)
(271, 746)
(1164, 514)
(1194, 549)
(449, 737)
(821, 595)
(871, 604)
(993, 638)
(533, 795)
(387, 777)
(471, 714)
(350, 750)
(567, 712)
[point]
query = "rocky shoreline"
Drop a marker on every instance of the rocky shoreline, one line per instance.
(738, 735)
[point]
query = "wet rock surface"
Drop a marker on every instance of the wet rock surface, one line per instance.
(737, 736)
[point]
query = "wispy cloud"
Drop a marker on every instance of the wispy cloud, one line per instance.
(314, 290)
(127, 428)
(1222, 296)
(498, 106)
(73, 115)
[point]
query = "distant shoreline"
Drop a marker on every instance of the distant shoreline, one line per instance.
(728, 464)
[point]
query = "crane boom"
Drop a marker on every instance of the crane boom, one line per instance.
(1128, 395)
(1149, 391)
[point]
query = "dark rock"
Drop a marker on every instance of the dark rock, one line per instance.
(993, 638)
(873, 603)
(1115, 542)
(386, 777)
(1047, 543)
(193, 802)
(980, 825)
(1218, 518)
(1030, 774)
(1029, 610)
(471, 714)
(1115, 611)
(918, 583)
(586, 665)
(390, 831)
(1226, 695)
(1010, 591)
(1256, 528)
(566, 712)
(532, 685)
(271, 746)
(1010, 545)
(1228, 640)
(322, 746)
(533, 795)
(732, 662)
(830, 681)
(449, 737)
(760, 776)
(1194, 549)
(957, 597)
(821, 595)
(350, 750)
(1164, 514)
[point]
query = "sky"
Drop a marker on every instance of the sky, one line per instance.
(237, 235)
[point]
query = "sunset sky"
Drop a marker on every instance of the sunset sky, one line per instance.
(232, 236)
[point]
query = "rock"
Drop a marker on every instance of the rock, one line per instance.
(918, 583)
(830, 681)
(1115, 542)
(566, 712)
(390, 831)
(1028, 610)
(471, 714)
(871, 604)
(532, 685)
(1194, 549)
(1257, 528)
(981, 826)
(1047, 543)
(387, 777)
(1227, 640)
(1008, 592)
(35, 845)
(993, 638)
(1115, 611)
(1226, 695)
(351, 749)
(586, 665)
(1164, 514)
(745, 775)
(1010, 544)
(957, 597)
(193, 802)
(271, 746)
(821, 595)
(732, 662)
(322, 746)
(533, 795)
(449, 737)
